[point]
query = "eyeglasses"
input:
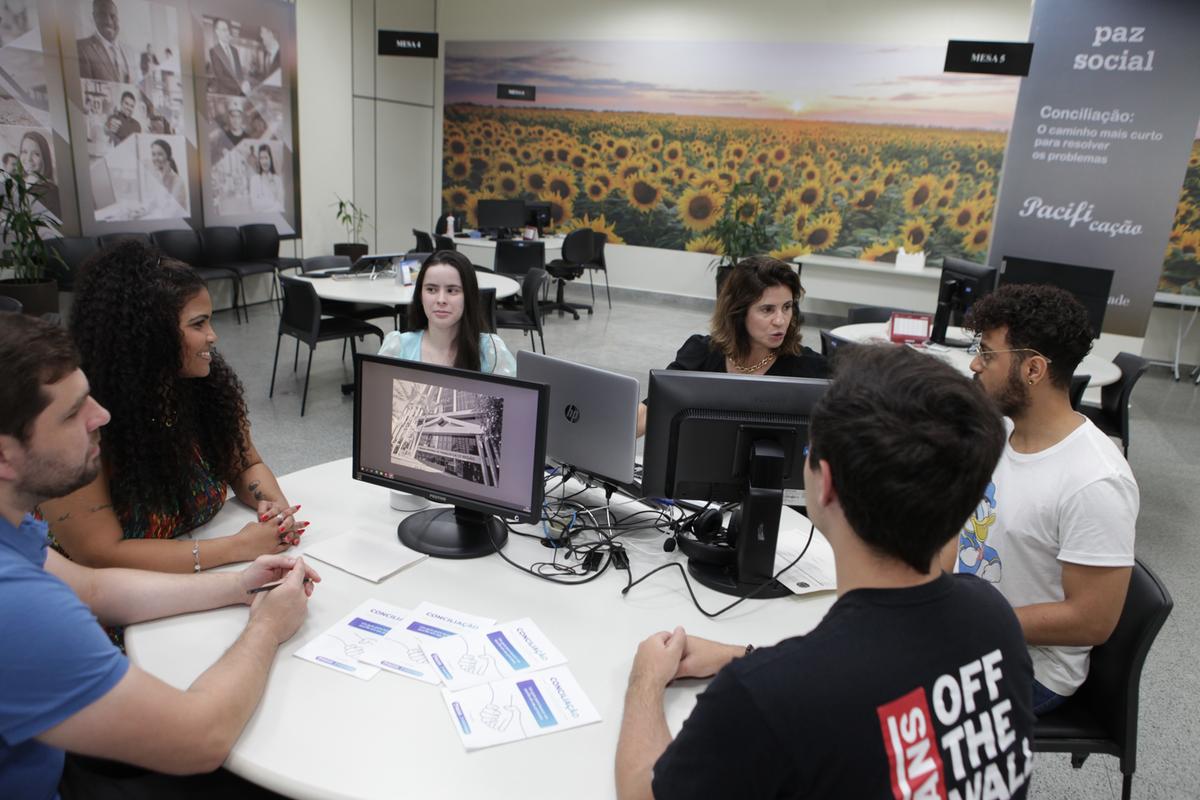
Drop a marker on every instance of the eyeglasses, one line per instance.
(976, 349)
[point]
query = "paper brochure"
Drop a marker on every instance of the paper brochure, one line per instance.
(364, 555)
(519, 708)
(403, 649)
(813, 573)
(503, 651)
(342, 646)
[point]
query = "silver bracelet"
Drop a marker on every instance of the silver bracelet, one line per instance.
(196, 556)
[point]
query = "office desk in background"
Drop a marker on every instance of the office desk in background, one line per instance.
(385, 291)
(1102, 372)
(869, 283)
(321, 734)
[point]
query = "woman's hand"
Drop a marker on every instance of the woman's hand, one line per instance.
(282, 515)
(267, 569)
(260, 538)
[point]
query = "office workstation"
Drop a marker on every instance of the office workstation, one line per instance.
(556, 476)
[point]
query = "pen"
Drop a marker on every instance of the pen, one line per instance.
(266, 587)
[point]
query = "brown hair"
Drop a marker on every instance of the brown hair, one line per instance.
(471, 325)
(746, 283)
(33, 353)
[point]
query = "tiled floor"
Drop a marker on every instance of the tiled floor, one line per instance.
(637, 335)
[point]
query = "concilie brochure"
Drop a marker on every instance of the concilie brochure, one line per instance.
(508, 650)
(402, 649)
(342, 646)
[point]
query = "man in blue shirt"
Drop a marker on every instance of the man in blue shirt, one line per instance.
(63, 685)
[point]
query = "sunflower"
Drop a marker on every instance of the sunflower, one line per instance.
(561, 208)
(458, 169)
(869, 196)
(599, 224)
(754, 175)
(943, 201)
(622, 149)
(578, 160)
(950, 182)
(707, 180)
(1177, 233)
(810, 195)
(919, 193)
(962, 218)
(507, 183)
(789, 203)
(456, 146)
(791, 250)
(745, 207)
(672, 152)
(456, 198)
(727, 177)
(526, 154)
(780, 155)
(822, 233)
(976, 239)
(811, 174)
(1194, 160)
(505, 164)
(705, 244)
(880, 251)
(915, 233)
(773, 180)
(535, 179)
(736, 151)
(709, 163)
(643, 193)
(981, 166)
(595, 190)
(699, 208)
(1189, 244)
(562, 154)
(983, 191)
(561, 182)
(546, 155)
(654, 142)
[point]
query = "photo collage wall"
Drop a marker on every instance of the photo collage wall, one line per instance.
(172, 113)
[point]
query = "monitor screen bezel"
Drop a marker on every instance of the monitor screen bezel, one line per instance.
(537, 478)
(518, 221)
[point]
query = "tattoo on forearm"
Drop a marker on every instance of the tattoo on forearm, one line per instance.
(254, 490)
(64, 517)
(94, 509)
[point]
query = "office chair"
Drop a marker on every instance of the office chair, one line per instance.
(528, 318)
(487, 301)
(261, 240)
(12, 305)
(71, 252)
(577, 252)
(518, 256)
(1112, 416)
(301, 318)
(1102, 715)
(109, 239)
(1079, 384)
(223, 247)
(830, 342)
(444, 243)
(861, 314)
(598, 263)
(183, 244)
(424, 241)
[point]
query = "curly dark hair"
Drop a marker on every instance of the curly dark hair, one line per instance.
(1038, 317)
(125, 322)
(747, 281)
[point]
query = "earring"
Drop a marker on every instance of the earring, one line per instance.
(1031, 381)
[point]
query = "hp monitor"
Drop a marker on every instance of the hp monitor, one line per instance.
(593, 415)
(474, 441)
(715, 437)
(963, 282)
(500, 216)
(1090, 285)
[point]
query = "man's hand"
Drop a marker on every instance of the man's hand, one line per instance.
(283, 608)
(268, 569)
(703, 658)
(657, 659)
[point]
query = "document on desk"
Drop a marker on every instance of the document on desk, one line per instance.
(504, 651)
(403, 649)
(341, 647)
(519, 708)
(368, 556)
(813, 573)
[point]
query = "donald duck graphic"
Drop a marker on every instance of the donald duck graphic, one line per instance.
(975, 555)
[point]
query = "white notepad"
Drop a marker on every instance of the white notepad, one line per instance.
(368, 556)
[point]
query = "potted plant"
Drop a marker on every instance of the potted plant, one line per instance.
(21, 227)
(354, 219)
(740, 237)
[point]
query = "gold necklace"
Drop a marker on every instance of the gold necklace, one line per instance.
(755, 367)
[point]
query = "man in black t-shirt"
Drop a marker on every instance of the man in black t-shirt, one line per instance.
(876, 701)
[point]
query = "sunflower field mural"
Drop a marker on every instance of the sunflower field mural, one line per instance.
(659, 164)
(1181, 270)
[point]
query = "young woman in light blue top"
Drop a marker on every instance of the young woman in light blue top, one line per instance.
(447, 324)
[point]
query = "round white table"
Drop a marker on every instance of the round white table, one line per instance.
(383, 290)
(1102, 372)
(321, 734)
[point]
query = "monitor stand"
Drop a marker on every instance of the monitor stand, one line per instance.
(453, 533)
(752, 569)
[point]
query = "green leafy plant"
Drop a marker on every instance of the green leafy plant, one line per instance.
(21, 226)
(740, 238)
(353, 218)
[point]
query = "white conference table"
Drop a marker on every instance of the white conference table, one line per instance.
(321, 734)
(383, 289)
(482, 251)
(1102, 372)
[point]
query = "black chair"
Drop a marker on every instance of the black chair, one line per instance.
(861, 314)
(487, 302)
(1112, 416)
(261, 241)
(424, 241)
(13, 305)
(66, 255)
(598, 263)
(1079, 384)
(577, 252)
(444, 243)
(518, 256)
(830, 342)
(301, 318)
(1102, 715)
(222, 247)
(343, 308)
(528, 318)
(183, 244)
(109, 239)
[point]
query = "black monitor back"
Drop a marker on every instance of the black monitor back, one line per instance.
(1090, 285)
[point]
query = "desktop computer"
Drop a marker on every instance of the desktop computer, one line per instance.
(713, 438)
(499, 217)
(963, 282)
(471, 440)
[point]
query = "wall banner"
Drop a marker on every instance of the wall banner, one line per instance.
(1100, 142)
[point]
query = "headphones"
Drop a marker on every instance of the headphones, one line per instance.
(709, 543)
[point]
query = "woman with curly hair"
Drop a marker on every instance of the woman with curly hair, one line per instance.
(755, 328)
(179, 433)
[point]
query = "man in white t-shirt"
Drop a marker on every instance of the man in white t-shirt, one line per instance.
(1055, 529)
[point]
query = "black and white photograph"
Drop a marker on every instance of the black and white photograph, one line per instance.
(29, 148)
(17, 18)
(238, 57)
(450, 431)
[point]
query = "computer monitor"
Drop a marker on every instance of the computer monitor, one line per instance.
(537, 214)
(500, 215)
(715, 437)
(593, 415)
(963, 282)
(475, 441)
(1090, 285)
